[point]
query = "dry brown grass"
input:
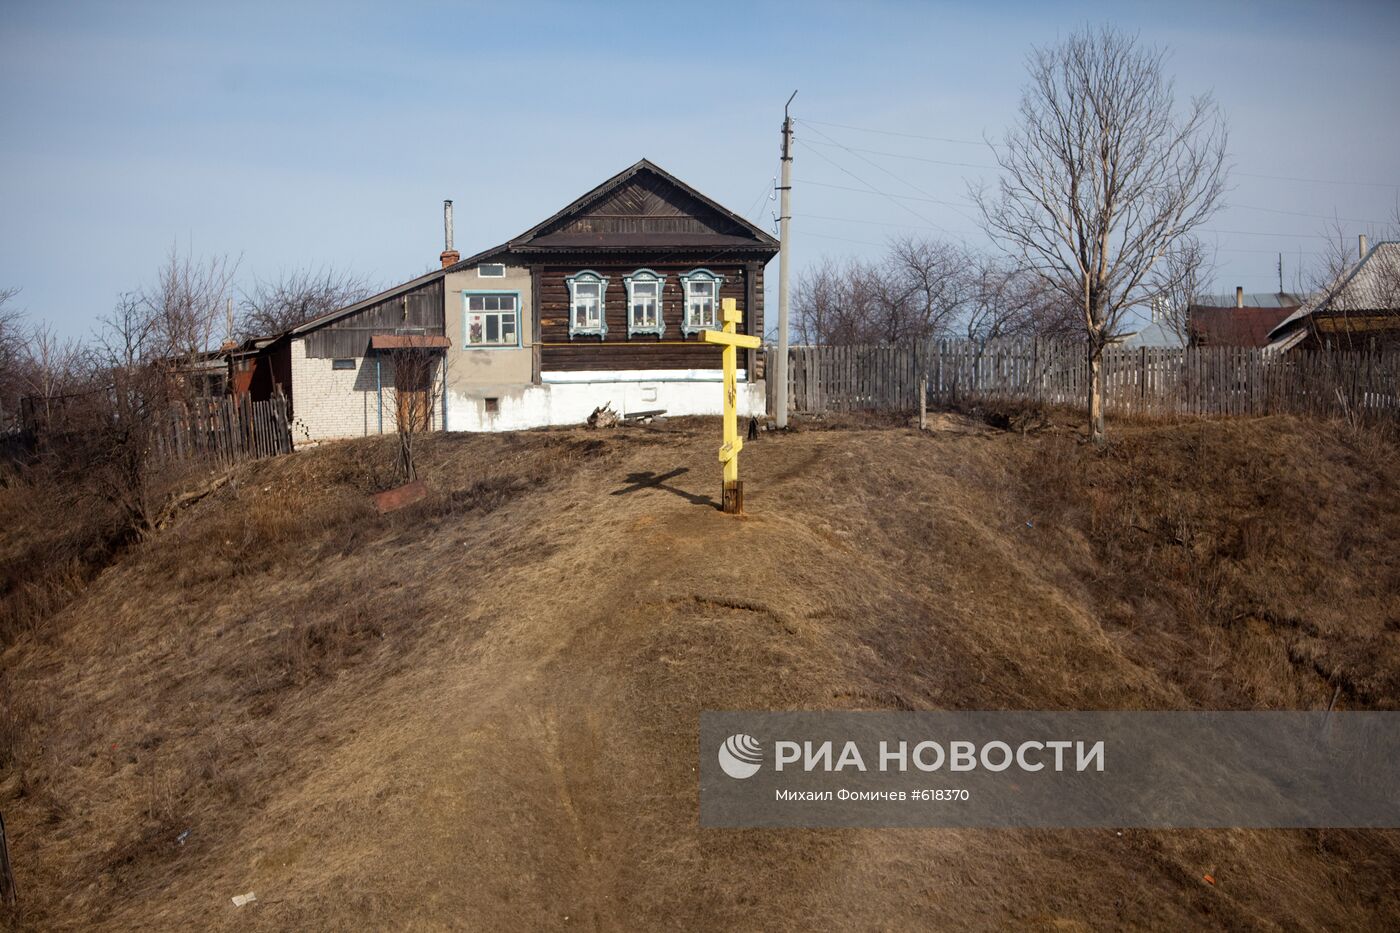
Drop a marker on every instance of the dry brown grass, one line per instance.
(480, 711)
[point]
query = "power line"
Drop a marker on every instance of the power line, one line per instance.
(872, 188)
(936, 139)
(902, 197)
(903, 181)
(1321, 181)
(1274, 210)
(900, 155)
(907, 197)
(970, 142)
(1296, 236)
(881, 223)
(827, 236)
(767, 190)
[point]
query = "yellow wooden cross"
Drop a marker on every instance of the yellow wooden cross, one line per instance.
(733, 499)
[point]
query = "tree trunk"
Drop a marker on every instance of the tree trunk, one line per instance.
(407, 467)
(1096, 426)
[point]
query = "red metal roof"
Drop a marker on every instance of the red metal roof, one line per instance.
(1234, 327)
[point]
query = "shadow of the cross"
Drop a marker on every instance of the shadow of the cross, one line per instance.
(651, 480)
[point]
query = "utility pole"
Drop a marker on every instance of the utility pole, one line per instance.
(1280, 273)
(784, 252)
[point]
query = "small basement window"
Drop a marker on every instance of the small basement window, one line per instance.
(493, 406)
(644, 292)
(492, 320)
(491, 270)
(343, 364)
(587, 304)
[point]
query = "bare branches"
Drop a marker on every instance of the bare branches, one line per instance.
(1183, 273)
(188, 303)
(12, 342)
(922, 289)
(1103, 177)
(915, 291)
(414, 393)
(1005, 301)
(277, 305)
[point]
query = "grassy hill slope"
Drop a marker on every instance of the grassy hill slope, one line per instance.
(481, 711)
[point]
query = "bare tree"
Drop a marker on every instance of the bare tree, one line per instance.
(1102, 178)
(277, 305)
(916, 290)
(126, 338)
(1005, 301)
(925, 288)
(414, 396)
(188, 302)
(129, 355)
(12, 342)
(1177, 280)
(52, 368)
(819, 302)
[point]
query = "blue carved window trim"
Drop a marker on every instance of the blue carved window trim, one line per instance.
(692, 323)
(645, 277)
(587, 278)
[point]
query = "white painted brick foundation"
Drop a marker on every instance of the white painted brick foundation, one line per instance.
(330, 403)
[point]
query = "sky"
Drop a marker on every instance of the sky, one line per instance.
(290, 135)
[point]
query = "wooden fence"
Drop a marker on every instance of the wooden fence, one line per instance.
(224, 430)
(1148, 381)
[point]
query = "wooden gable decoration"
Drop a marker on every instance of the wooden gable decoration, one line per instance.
(644, 207)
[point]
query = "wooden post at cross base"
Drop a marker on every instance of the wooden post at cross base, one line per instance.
(731, 340)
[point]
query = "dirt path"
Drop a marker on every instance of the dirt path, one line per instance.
(511, 742)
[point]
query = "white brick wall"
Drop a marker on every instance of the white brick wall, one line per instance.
(331, 403)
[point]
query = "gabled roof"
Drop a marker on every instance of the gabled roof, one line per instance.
(1370, 285)
(1250, 300)
(549, 234)
(332, 316)
(1233, 327)
(738, 234)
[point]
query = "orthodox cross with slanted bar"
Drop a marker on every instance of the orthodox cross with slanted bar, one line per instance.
(733, 496)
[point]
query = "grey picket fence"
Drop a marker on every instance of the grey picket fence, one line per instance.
(224, 430)
(1146, 381)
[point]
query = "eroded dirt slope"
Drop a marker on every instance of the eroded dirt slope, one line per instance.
(481, 712)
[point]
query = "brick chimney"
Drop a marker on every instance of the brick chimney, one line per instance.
(1361, 242)
(449, 255)
(1239, 296)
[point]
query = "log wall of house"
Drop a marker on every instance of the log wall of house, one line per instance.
(417, 311)
(616, 351)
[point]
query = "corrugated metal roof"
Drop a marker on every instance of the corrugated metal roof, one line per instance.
(1373, 284)
(1234, 327)
(1156, 334)
(1251, 300)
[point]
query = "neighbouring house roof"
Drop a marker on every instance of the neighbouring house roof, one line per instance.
(1233, 327)
(1155, 334)
(1251, 300)
(332, 316)
(732, 233)
(1370, 285)
(408, 342)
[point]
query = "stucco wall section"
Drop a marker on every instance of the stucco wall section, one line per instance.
(496, 369)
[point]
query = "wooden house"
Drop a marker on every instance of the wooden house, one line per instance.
(1359, 311)
(601, 303)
